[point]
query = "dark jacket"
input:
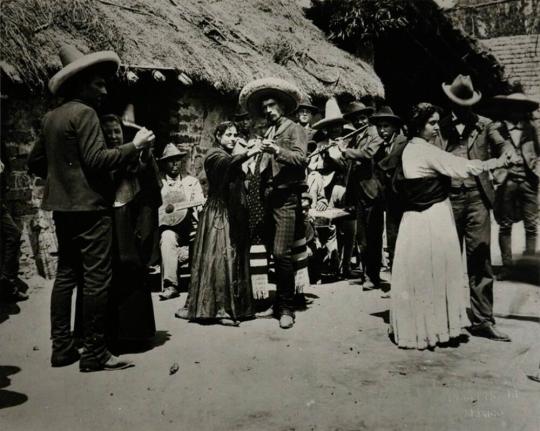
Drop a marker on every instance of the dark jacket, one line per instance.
(528, 149)
(387, 165)
(289, 166)
(361, 180)
(71, 154)
(483, 138)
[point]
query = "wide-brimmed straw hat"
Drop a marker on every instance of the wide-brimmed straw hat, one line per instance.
(253, 94)
(332, 115)
(385, 113)
(74, 62)
(515, 102)
(171, 151)
(356, 108)
(461, 91)
(305, 103)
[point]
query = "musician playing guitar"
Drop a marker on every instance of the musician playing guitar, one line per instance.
(182, 197)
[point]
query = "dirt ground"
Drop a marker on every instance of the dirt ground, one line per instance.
(335, 370)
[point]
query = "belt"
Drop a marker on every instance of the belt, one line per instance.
(463, 188)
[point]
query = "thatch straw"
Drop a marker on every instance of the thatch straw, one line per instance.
(225, 43)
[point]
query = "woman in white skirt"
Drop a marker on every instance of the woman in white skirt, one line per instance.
(429, 296)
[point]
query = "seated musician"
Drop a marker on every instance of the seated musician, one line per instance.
(182, 196)
(327, 161)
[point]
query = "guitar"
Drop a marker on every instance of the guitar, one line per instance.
(173, 211)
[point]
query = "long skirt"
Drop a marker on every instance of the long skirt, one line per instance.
(220, 280)
(131, 313)
(429, 296)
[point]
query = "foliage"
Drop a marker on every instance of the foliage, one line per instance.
(346, 21)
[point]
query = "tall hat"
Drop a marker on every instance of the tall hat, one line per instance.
(256, 91)
(306, 104)
(171, 151)
(74, 62)
(461, 91)
(356, 107)
(332, 115)
(385, 113)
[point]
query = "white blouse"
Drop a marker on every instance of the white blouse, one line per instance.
(422, 159)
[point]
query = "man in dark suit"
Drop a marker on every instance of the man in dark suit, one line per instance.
(389, 128)
(466, 134)
(516, 197)
(284, 167)
(76, 163)
(363, 188)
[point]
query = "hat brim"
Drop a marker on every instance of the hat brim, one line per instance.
(106, 61)
(327, 122)
(509, 103)
(307, 106)
(367, 111)
(477, 95)
(173, 156)
(388, 117)
(254, 93)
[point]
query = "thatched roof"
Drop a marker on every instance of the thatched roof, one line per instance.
(223, 43)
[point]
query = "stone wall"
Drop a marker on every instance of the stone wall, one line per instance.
(192, 118)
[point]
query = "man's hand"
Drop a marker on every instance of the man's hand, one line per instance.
(269, 146)
(143, 139)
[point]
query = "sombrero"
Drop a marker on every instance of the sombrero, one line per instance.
(385, 113)
(171, 151)
(253, 94)
(515, 102)
(461, 91)
(74, 62)
(332, 115)
(356, 107)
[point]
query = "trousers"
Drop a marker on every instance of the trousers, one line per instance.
(521, 196)
(473, 224)
(84, 261)
(286, 222)
(10, 244)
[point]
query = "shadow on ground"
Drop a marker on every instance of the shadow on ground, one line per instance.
(9, 398)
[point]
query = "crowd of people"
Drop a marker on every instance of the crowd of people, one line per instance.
(287, 204)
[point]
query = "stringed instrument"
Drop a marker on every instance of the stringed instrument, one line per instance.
(175, 207)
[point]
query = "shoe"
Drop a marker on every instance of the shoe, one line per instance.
(488, 330)
(182, 313)
(65, 359)
(504, 274)
(169, 293)
(286, 321)
(266, 314)
(17, 296)
(114, 363)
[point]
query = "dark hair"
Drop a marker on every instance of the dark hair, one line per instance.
(74, 85)
(419, 116)
(221, 128)
(110, 118)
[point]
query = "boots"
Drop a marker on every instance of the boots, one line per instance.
(505, 244)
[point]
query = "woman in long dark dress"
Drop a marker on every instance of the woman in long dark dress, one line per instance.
(135, 215)
(220, 286)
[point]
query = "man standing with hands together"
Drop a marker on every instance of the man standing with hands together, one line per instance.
(71, 154)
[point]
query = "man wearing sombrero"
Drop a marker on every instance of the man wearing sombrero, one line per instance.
(283, 165)
(516, 198)
(76, 163)
(363, 188)
(468, 135)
